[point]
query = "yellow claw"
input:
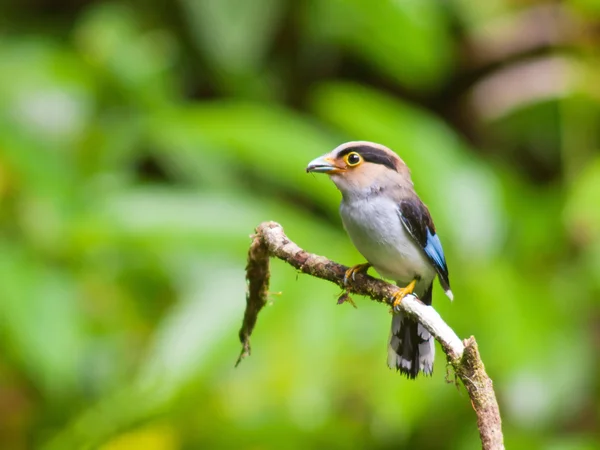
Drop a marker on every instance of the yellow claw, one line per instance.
(399, 296)
(352, 271)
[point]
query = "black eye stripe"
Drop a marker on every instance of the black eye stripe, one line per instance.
(372, 155)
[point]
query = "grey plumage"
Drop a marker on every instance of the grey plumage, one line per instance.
(392, 229)
(373, 224)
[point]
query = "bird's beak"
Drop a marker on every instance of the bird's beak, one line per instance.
(323, 164)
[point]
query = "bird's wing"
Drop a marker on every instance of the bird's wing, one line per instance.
(417, 221)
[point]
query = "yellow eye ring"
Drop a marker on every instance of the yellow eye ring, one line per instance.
(353, 159)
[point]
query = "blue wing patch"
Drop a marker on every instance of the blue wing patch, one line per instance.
(434, 250)
(416, 219)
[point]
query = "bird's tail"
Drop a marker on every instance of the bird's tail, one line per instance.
(411, 348)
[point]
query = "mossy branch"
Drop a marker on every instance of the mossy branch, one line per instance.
(463, 356)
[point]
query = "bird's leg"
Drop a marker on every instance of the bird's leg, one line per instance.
(360, 268)
(399, 296)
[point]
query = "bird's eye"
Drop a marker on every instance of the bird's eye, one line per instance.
(353, 159)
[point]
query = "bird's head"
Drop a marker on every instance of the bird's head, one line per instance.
(359, 166)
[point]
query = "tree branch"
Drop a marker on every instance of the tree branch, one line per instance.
(271, 241)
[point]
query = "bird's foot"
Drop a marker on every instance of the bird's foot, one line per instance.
(352, 271)
(399, 296)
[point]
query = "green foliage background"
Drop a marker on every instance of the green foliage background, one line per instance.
(142, 142)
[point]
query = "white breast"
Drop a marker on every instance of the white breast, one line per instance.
(374, 226)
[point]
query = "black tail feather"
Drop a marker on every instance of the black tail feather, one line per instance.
(411, 347)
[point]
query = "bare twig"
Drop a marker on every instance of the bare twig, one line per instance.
(271, 241)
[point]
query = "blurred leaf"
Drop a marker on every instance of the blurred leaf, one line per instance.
(210, 307)
(233, 35)
(43, 179)
(406, 40)
(46, 90)
(583, 220)
(587, 8)
(41, 321)
(111, 38)
(269, 140)
(157, 437)
(165, 220)
(36, 167)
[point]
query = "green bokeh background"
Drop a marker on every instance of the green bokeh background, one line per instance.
(142, 141)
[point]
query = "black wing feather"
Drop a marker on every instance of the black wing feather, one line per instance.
(417, 220)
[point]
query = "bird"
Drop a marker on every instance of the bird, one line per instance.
(393, 230)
